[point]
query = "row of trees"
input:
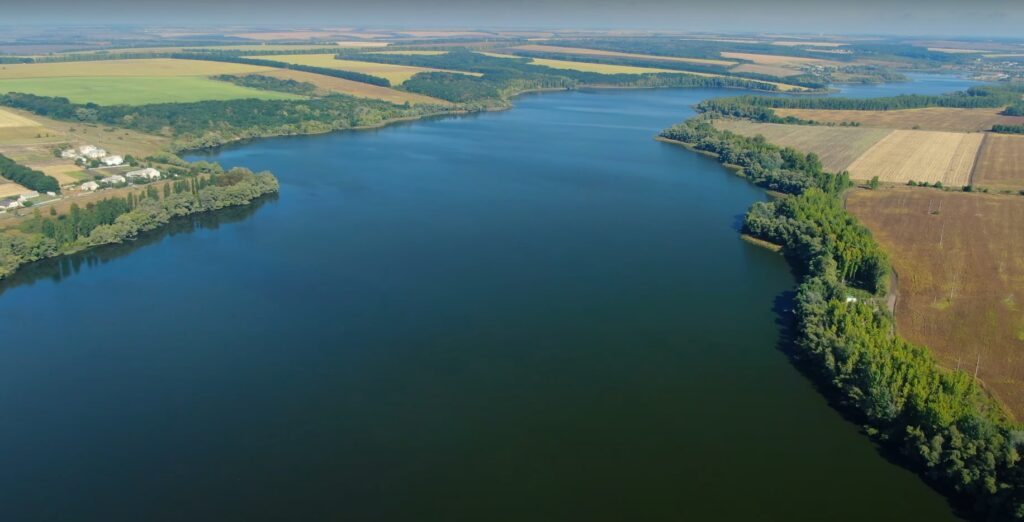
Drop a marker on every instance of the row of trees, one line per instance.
(941, 421)
(972, 98)
(269, 83)
(118, 219)
(26, 177)
(1008, 129)
(231, 57)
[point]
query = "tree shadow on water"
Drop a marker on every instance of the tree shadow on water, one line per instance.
(58, 268)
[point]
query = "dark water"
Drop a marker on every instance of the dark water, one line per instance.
(919, 84)
(540, 314)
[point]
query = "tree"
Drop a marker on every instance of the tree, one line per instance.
(873, 184)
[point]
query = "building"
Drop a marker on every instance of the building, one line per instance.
(111, 180)
(147, 173)
(27, 196)
(85, 150)
(9, 204)
(89, 185)
(96, 154)
(69, 153)
(112, 161)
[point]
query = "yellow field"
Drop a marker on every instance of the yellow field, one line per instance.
(836, 147)
(601, 68)
(615, 54)
(396, 74)
(770, 70)
(61, 171)
(125, 68)
(928, 156)
(8, 189)
(179, 49)
(10, 119)
(411, 53)
(932, 118)
(1000, 162)
(330, 84)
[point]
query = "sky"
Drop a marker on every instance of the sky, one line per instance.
(910, 17)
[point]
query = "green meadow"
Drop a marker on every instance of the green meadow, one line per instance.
(137, 90)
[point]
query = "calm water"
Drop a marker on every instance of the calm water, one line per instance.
(540, 314)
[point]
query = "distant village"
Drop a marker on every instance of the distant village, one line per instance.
(89, 157)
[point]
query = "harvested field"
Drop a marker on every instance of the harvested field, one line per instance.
(137, 90)
(10, 119)
(411, 53)
(396, 74)
(770, 70)
(8, 189)
(614, 54)
(837, 147)
(931, 118)
(929, 156)
(960, 261)
(65, 173)
(775, 59)
(157, 67)
(330, 84)
(1000, 162)
(601, 68)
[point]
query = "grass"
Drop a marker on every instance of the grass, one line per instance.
(330, 84)
(1000, 162)
(138, 90)
(960, 276)
(837, 147)
(124, 68)
(931, 118)
(615, 54)
(929, 156)
(396, 74)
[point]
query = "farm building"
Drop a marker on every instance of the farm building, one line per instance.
(111, 180)
(96, 154)
(147, 173)
(89, 185)
(69, 153)
(112, 161)
(85, 150)
(27, 196)
(9, 204)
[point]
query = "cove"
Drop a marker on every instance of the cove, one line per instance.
(537, 314)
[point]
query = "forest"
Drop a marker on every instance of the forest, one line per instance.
(942, 421)
(269, 83)
(972, 98)
(1008, 129)
(26, 177)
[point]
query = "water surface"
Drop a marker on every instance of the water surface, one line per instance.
(538, 314)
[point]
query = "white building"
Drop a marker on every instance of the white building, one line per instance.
(85, 150)
(89, 185)
(9, 204)
(116, 178)
(112, 161)
(69, 153)
(96, 154)
(147, 173)
(27, 196)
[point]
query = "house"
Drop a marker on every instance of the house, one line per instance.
(111, 180)
(89, 185)
(9, 204)
(96, 154)
(85, 150)
(112, 161)
(69, 153)
(147, 173)
(27, 196)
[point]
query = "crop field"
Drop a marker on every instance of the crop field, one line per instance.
(837, 147)
(8, 189)
(931, 118)
(411, 53)
(396, 74)
(1000, 162)
(930, 156)
(330, 84)
(773, 59)
(601, 68)
(770, 70)
(960, 290)
(65, 172)
(138, 90)
(615, 54)
(10, 119)
(121, 68)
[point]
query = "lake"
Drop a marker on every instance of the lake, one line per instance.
(537, 314)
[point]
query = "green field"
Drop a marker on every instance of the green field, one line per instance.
(138, 90)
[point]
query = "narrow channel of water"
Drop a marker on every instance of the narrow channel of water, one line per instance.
(539, 314)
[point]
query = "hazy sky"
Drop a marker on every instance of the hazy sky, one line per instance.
(929, 17)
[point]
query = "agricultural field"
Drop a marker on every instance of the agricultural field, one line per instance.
(1000, 162)
(64, 171)
(8, 189)
(928, 156)
(330, 84)
(615, 54)
(932, 118)
(396, 74)
(138, 90)
(837, 147)
(601, 68)
(960, 263)
(162, 67)
(775, 59)
(410, 52)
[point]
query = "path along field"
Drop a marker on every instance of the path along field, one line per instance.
(960, 261)
(930, 156)
(932, 118)
(1000, 162)
(614, 54)
(330, 84)
(396, 74)
(132, 82)
(837, 147)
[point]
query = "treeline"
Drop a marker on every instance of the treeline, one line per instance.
(738, 107)
(115, 220)
(1008, 129)
(210, 123)
(269, 83)
(767, 165)
(229, 57)
(942, 421)
(972, 98)
(1017, 109)
(29, 178)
